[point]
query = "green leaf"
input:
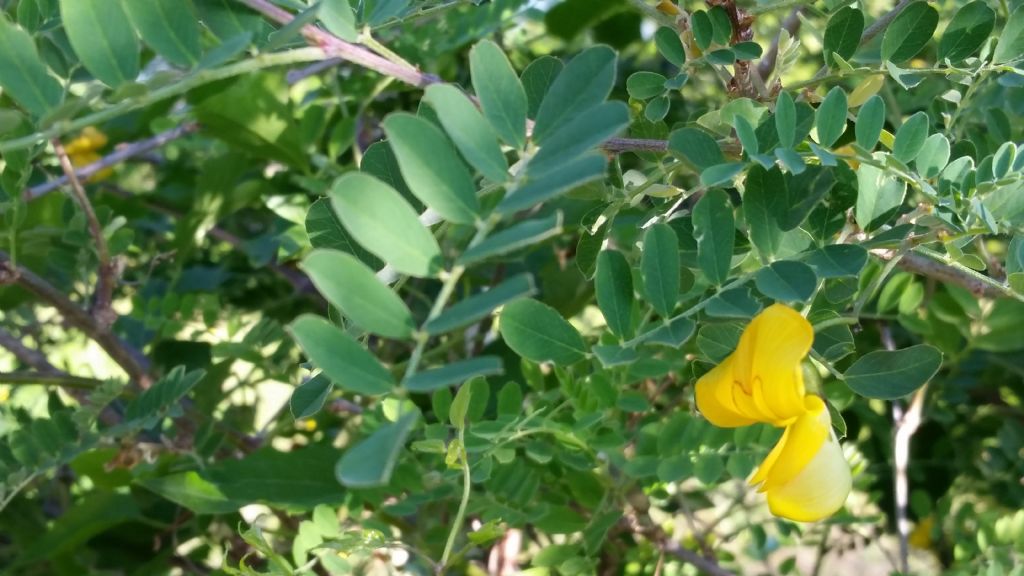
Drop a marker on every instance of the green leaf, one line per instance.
(339, 19)
(746, 134)
(380, 162)
(159, 398)
(585, 82)
(23, 75)
(481, 305)
(460, 406)
(843, 32)
(879, 195)
(103, 38)
(554, 183)
(454, 373)
(579, 135)
(831, 117)
(432, 168)
(340, 356)
(253, 113)
(537, 79)
(909, 32)
(377, 12)
(473, 136)
(612, 355)
(228, 19)
(713, 227)
(660, 268)
(513, 238)
(763, 189)
(785, 119)
(384, 223)
(967, 31)
(747, 50)
(703, 29)
(92, 514)
(870, 120)
(657, 109)
(910, 137)
(1011, 40)
(613, 284)
(888, 375)
(672, 333)
(645, 85)
(697, 146)
(325, 231)
(721, 23)
(837, 260)
(734, 303)
(720, 174)
(192, 491)
(310, 396)
(169, 27)
(537, 332)
(716, 341)
(501, 95)
(786, 281)
(722, 57)
(291, 30)
(371, 462)
(933, 156)
(358, 293)
(670, 45)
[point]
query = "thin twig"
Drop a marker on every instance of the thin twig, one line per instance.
(61, 379)
(129, 359)
(28, 356)
(106, 276)
(123, 153)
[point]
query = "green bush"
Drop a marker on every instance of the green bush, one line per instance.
(482, 287)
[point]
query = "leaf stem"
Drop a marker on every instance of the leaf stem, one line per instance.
(194, 80)
(460, 515)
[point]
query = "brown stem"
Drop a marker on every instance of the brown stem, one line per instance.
(123, 153)
(923, 265)
(106, 275)
(129, 359)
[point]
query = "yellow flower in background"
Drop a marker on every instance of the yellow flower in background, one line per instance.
(806, 477)
(762, 381)
(668, 7)
(84, 150)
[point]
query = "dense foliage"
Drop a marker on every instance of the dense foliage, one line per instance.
(467, 287)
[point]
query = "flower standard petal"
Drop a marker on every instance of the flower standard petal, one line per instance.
(768, 361)
(715, 394)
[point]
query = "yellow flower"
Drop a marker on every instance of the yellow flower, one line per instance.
(83, 151)
(667, 7)
(762, 381)
(806, 477)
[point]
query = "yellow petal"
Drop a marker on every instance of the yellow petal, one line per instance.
(716, 400)
(96, 138)
(798, 446)
(818, 491)
(768, 362)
